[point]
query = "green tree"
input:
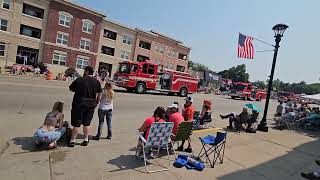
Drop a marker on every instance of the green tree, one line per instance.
(236, 73)
(260, 84)
(197, 66)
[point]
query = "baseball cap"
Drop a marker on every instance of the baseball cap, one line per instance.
(189, 98)
(173, 106)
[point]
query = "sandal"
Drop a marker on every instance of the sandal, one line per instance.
(50, 147)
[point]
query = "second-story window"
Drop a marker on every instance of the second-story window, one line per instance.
(87, 26)
(62, 38)
(3, 24)
(145, 45)
(2, 48)
(65, 19)
(107, 50)
(110, 34)
(182, 56)
(85, 44)
(127, 39)
(30, 31)
(125, 55)
(6, 4)
(32, 11)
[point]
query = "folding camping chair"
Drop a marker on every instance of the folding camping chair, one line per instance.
(215, 145)
(159, 136)
(183, 133)
(206, 122)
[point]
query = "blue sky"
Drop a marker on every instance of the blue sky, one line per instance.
(211, 28)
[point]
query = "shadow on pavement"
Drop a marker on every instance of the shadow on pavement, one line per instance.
(27, 144)
(126, 162)
(287, 167)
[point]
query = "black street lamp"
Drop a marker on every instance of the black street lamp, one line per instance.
(278, 33)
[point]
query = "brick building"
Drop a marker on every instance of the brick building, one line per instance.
(117, 43)
(72, 37)
(161, 49)
(22, 31)
(62, 34)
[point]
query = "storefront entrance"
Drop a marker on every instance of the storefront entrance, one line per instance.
(27, 56)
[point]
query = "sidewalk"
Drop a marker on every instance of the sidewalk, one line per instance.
(275, 155)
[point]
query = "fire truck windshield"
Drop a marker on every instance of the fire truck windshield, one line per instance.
(124, 68)
(238, 87)
(127, 68)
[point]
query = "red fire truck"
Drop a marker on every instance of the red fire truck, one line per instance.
(246, 91)
(143, 76)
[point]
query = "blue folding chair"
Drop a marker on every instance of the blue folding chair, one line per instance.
(213, 144)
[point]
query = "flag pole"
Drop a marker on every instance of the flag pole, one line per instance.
(259, 40)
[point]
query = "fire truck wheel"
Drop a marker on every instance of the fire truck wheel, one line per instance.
(183, 92)
(140, 88)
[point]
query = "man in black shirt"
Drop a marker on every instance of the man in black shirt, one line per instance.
(86, 97)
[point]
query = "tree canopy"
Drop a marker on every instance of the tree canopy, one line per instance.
(197, 66)
(236, 73)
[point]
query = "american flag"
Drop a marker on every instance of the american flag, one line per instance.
(245, 47)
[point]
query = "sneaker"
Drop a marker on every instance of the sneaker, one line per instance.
(221, 116)
(180, 148)
(71, 144)
(85, 143)
(188, 150)
(310, 176)
(318, 162)
(96, 138)
(109, 137)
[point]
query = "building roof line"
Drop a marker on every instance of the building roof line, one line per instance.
(165, 36)
(119, 24)
(146, 32)
(82, 7)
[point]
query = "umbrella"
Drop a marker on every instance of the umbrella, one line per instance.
(254, 107)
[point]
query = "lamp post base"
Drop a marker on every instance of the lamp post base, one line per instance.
(263, 127)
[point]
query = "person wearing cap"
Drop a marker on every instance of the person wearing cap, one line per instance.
(187, 112)
(87, 91)
(175, 116)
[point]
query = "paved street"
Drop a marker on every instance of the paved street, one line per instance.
(25, 102)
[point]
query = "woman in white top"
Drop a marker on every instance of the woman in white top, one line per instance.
(105, 110)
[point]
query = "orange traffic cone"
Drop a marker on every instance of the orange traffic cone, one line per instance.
(49, 75)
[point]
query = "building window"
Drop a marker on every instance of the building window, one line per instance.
(141, 58)
(145, 45)
(107, 50)
(182, 56)
(125, 55)
(85, 44)
(32, 11)
(6, 4)
(65, 19)
(171, 53)
(59, 59)
(156, 48)
(180, 68)
(62, 38)
(109, 34)
(82, 63)
(30, 31)
(2, 48)
(87, 26)
(127, 39)
(3, 24)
